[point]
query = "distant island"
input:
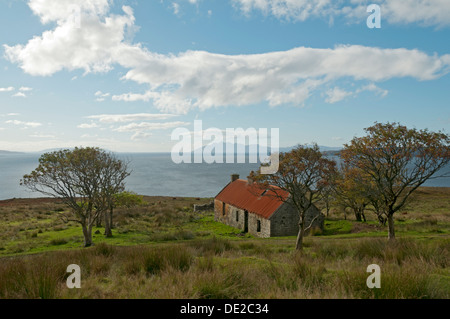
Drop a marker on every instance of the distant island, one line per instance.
(9, 153)
(329, 151)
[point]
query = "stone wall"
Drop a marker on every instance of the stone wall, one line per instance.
(235, 217)
(318, 222)
(203, 208)
(284, 222)
(264, 231)
(221, 212)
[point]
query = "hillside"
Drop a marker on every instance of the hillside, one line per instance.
(164, 250)
(2, 152)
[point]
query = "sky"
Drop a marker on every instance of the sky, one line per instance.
(124, 74)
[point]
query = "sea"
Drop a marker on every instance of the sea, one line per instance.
(152, 174)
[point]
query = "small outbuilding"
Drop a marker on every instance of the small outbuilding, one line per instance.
(243, 205)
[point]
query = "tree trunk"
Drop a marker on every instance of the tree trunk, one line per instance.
(98, 222)
(391, 235)
(108, 232)
(357, 215)
(381, 219)
(87, 232)
(301, 233)
(111, 225)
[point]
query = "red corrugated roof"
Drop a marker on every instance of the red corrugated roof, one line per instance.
(252, 198)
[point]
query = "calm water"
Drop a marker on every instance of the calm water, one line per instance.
(152, 174)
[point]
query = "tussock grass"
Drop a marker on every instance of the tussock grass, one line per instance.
(212, 245)
(164, 250)
(217, 269)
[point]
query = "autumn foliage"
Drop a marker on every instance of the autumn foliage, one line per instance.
(394, 161)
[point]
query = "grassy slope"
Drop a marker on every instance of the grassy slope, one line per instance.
(213, 260)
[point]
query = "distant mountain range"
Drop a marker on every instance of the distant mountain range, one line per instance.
(236, 147)
(326, 149)
(9, 153)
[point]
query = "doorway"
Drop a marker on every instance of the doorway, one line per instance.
(246, 222)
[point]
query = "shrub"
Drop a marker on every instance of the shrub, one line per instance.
(176, 258)
(310, 275)
(212, 245)
(206, 264)
(104, 250)
(58, 241)
(222, 286)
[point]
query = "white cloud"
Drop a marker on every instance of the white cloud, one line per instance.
(175, 8)
(124, 118)
(373, 88)
(422, 12)
(88, 125)
(101, 94)
(197, 79)
(84, 136)
(298, 10)
(24, 124)
(9, 115)
(42, 136)
(91, 47)
(25, 89)
(63, 10)
(336, 95)
(140, 136)
(101, 97)
(20, 94)
(8, 89)
(202, 80)
(146, 126)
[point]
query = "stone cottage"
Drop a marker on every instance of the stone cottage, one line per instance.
(243, 205)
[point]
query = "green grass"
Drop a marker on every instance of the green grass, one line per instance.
(165, 250)
(197, 270)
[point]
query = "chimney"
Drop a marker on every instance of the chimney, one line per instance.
(234, 177)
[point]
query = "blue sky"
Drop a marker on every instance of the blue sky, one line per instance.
(127, 73)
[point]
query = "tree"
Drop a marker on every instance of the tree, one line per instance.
(352, 189)
(329, 193)
(397, 161)
(77, 177)
(111, 179)
(128, 199)
(303, 173)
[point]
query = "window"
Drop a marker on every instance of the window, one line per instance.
(258, 226)
(237, 216)
(223, 209)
